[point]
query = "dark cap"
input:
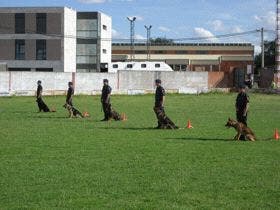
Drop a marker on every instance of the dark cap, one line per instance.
(158, 81)
(70, 83)
(105, 80)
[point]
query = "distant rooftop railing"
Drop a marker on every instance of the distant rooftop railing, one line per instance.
(185, 44)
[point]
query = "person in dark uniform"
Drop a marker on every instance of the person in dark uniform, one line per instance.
(70, 93)
(163, 121)
(105, 99)
(109, 112)
(41, 104)
(242, 106)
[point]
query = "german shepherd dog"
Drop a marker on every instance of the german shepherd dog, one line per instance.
(73, 112)
(115, 115)
(165, 122)
(241, 130)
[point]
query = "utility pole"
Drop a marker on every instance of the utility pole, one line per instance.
(148, 28)
(132, 32)
(262, 43)
(262, 46)
(278, 36)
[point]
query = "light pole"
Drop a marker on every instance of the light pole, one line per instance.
(278, 36)
(262, 46)
(132, 32)
(148, 28)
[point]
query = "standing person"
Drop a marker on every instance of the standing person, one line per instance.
(105, 99)
(159, 101)
(41, 104)
(163, 121)
(70, 94)
(242, 106)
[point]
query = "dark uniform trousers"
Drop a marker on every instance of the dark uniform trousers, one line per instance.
(241, 118)
(160, 114)
(107, 110)
(42, 105)
(69, 102)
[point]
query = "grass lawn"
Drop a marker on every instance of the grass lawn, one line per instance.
(48, 161)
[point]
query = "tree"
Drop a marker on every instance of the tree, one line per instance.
(269, 55)
(161, 40)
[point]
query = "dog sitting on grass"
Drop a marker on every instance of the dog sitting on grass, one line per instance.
(241, 130)
(114, 115)
(73, 112)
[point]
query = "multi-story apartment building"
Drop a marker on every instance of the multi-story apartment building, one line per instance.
(55, 39)
(38, 39)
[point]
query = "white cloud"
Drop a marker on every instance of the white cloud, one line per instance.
(202, 32)
(139, 36)
(217, 25)
(237, 29)
(115, 34)
(163, 29)
(258, 49)
(267, 20)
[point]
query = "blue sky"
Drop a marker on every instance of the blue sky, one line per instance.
(178, 18)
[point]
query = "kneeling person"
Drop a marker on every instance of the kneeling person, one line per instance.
(164, 122)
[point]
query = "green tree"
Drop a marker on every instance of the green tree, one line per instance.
(161, 40)
(269, 55)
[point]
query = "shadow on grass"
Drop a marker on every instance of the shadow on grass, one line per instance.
(200, 139)
(48, 117)
(126, 128)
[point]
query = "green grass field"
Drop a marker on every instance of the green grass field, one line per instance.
(48, 161)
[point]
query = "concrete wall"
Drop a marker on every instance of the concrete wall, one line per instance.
(124, 82)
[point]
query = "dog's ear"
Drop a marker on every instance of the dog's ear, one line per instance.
(229, 119)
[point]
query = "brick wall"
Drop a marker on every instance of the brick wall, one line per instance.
(218, 80)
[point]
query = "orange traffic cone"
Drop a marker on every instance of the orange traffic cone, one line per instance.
(86, 114)
(276, 134)
(123, 117)
(189, 125)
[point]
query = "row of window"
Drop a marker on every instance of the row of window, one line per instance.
(41, 23)
(41, 49)
(130, 66)
(179, 52)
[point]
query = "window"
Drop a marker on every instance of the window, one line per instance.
(180, 52)
(19, 23)
(159, 52)
(115, 66)
(41, 51)
(140, 52)
(202, 52)
(104, 27)
(41, 23)
(44, 69)
(104, 51)
(129, 66)
(143, 65)
(20, 49)
(157, 65)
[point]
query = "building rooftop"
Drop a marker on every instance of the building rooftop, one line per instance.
(32, 9)
(185, 44)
